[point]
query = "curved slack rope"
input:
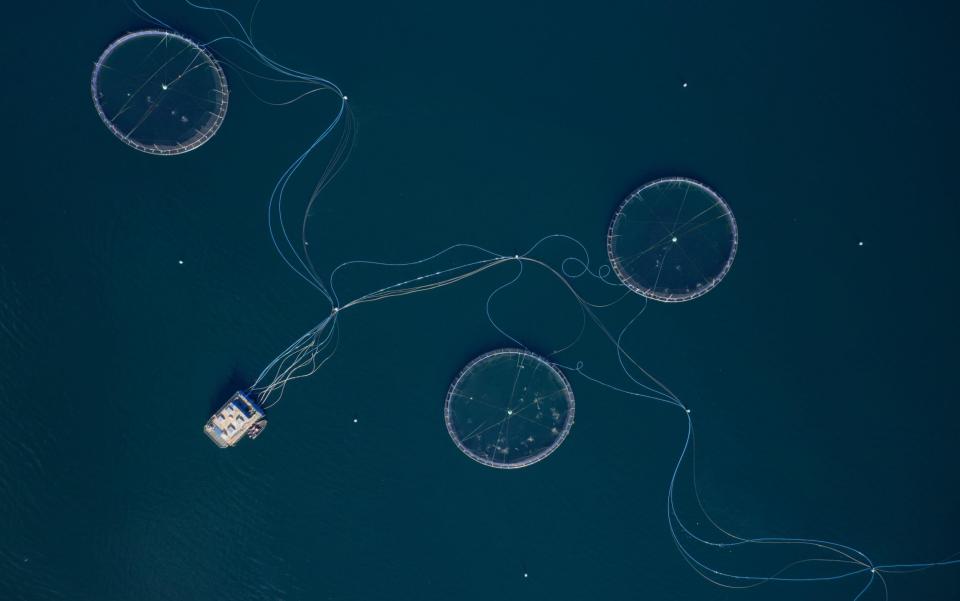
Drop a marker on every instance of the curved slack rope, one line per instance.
(819, 560)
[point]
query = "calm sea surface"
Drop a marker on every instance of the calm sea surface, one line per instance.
(821, 373)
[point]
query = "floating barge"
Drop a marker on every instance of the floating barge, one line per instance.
(239, 415)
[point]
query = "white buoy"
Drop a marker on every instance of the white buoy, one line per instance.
(180, 261)
(674, 239)
(355, 420)
(684, 84)
(525, 574)
(860, 243)
(164, 86)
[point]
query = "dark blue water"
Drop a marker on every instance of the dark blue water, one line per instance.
(820, 372)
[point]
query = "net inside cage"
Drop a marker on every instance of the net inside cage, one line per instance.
(509, 408)
(159, 92)
(672, 240)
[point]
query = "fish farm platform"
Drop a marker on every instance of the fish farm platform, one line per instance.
(239, 415)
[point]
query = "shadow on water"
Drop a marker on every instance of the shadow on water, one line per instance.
(237, 380)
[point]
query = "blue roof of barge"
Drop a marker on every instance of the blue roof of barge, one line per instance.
(250, 399)
(242, 407)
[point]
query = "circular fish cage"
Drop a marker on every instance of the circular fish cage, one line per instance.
(159, 92)
(672, 240)
(509, 408)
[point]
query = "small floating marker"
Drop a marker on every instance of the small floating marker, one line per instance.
(180, 261)
(674, 239)
(516, 256)
(509, 411)
(164, 86)
(335, 309)
(525, 575)
(873, 570)
(345, 97)
(684, 84)
(860, 243)
(355, 420)
(688, 411)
